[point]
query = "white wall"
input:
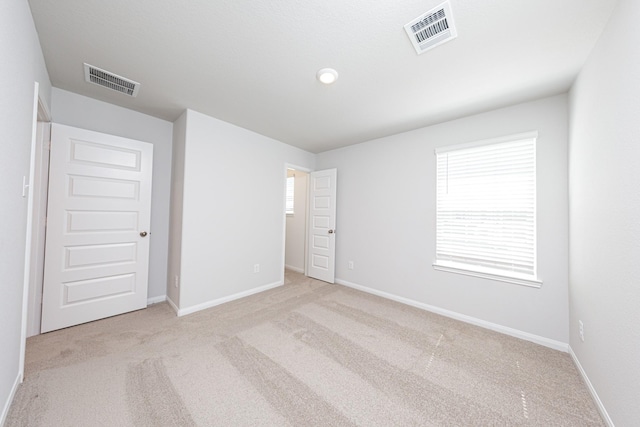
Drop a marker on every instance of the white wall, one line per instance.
(233, 210)
(605, 215)
(22, 65)
(80, 111)
(386, 220)
(297, 224)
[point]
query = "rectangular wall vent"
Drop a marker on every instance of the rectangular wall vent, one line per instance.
(111, 81)
(432, 28)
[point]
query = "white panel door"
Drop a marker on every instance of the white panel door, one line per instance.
(322, 223)
(97, 240)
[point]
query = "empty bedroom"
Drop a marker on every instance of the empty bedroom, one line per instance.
(410, 213)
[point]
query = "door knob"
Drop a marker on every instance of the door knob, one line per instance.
(143, 234)
(331, 231)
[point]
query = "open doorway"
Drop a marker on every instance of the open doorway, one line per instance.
(296, 219)
(310, 218)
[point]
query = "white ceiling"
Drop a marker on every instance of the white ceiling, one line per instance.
(253, 63)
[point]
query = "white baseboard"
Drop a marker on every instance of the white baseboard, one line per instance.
(213, 303)
(7, 404)
(592, 390)
(173, 305)
(156, 300)
(556, 345)
(296, 269)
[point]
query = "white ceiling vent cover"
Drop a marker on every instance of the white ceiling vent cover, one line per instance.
(111, 81)
(431, 29)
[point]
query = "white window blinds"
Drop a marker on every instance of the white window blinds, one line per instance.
(486, 207)
(290, 191)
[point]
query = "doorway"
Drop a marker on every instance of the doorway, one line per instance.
(99, 217)
(296, 219)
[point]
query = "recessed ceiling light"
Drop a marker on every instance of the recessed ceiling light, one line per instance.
(327, 75)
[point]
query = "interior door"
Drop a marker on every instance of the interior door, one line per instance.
(98, 216)
(322, 222)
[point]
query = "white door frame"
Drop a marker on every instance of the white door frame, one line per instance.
(284, 216)
(40, 113)
(39, 188)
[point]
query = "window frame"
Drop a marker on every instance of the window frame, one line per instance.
(532, 280)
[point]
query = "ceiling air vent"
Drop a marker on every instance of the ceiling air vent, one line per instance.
(111, 81)
(432, 28)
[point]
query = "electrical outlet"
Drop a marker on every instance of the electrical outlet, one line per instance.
(176, 281)
(256, 268)
(581, 330)
(350, 265)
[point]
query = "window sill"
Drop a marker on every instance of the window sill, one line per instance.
(532, 283)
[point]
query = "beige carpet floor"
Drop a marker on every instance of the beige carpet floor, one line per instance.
(304, 354)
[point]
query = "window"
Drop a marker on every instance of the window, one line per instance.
(486, 209)
(290, 192)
